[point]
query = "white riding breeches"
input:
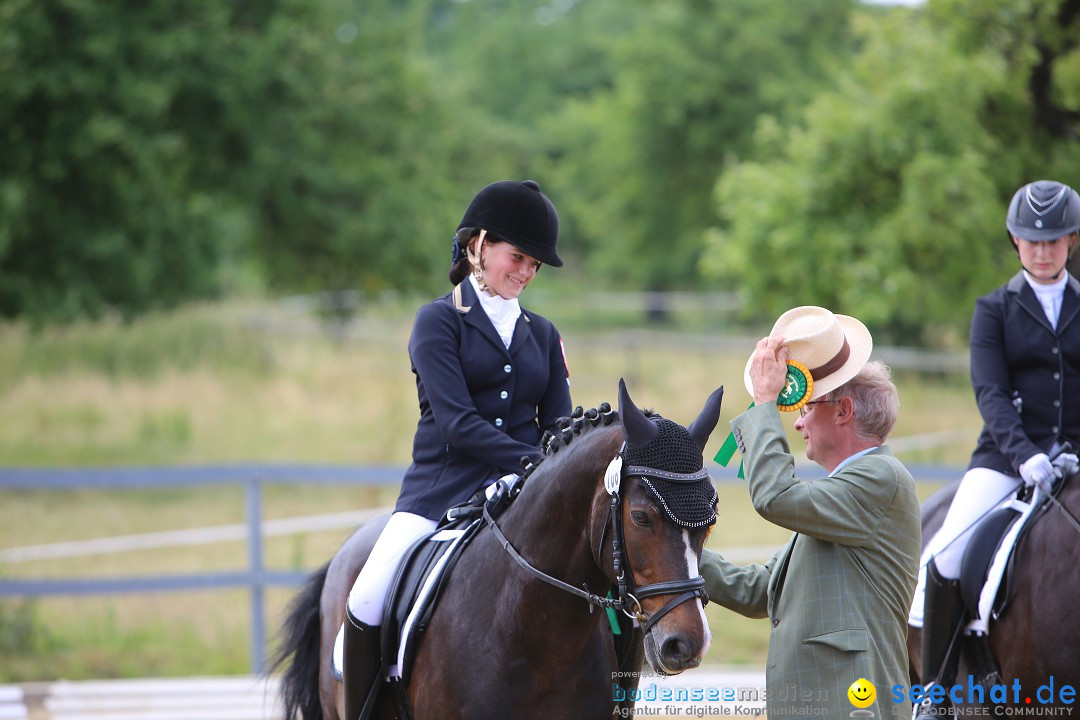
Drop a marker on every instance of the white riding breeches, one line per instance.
(980, 491)
(368, 594)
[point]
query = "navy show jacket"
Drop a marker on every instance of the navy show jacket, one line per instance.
(482, 405)
(1026, 375)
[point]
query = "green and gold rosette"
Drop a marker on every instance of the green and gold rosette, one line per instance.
(798, 387)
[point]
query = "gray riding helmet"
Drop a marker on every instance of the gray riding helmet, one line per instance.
(1043, 210)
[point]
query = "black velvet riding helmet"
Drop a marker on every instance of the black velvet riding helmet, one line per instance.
(520, 214)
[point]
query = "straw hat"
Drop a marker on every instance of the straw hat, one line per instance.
(825, 350)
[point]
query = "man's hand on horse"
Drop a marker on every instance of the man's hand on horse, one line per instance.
(768, 370)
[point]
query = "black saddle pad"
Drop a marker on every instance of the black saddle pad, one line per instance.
(404, 592)
(980, 552)
(983, 547)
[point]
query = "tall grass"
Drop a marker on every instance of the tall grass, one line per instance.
(251, 382)
(241, 382)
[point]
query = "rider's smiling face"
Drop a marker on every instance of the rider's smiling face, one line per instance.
(508, 270)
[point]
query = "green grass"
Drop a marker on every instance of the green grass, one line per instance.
(248, 382)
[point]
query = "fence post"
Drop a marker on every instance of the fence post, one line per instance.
(253, 492)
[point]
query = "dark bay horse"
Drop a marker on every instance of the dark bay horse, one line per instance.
(504, 641)
(1038, 635)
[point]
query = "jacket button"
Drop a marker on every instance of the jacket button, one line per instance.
(1054, 350)
(1055, 429)
(775, 622)
(1057, 403)
(1057, 376)
(498, 422)
(504, 394)
(506, 368)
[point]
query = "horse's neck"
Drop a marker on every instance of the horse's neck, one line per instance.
(1070, 493)
(1069, 497)
(554, 520)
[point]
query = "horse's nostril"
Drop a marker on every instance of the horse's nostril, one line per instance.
(676, 650)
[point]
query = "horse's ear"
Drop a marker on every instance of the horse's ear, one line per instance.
(702, 427)
(638, 430)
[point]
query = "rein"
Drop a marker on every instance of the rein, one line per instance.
(1066, 447)
(1064, 510)
(589, 597)
(629, 594)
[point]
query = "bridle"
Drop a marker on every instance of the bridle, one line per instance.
(630, 595)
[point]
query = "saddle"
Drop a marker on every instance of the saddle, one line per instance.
(986, 571)
(423, 573)
(419, 580)
(412, 596)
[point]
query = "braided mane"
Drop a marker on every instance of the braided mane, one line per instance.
(567, 427)
(565, 430)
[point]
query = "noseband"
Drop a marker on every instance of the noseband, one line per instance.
(630, 594)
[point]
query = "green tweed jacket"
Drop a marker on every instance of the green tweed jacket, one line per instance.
(838, 594)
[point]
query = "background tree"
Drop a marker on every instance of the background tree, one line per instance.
(642, 155)
(351, 180)
(149, 149)
(887, 199)
(512, 69)
(159, 152)
(111, 117)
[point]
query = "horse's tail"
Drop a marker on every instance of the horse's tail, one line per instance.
(300, 682)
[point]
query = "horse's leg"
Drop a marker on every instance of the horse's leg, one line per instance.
(339, 581)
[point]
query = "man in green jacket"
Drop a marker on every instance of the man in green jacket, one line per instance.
(838, 594)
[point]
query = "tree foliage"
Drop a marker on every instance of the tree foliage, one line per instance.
(643, 154)
(101, 195)
(823, 152)
(887, 199)
(145, 146)
(352, 172)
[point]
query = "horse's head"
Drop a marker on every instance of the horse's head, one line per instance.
(666, 506)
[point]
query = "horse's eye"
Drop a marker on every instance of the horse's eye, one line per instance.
(640, 517)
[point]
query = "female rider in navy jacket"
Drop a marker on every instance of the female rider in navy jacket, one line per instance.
(491, 378)
(1025, 370)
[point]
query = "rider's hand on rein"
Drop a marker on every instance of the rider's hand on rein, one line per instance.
(1037, 470)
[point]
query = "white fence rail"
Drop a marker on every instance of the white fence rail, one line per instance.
(212, 698)
(703, 691)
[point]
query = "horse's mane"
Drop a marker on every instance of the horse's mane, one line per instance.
(565, 430)
(567, 427)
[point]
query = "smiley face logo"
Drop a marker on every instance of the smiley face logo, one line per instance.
(862, 693)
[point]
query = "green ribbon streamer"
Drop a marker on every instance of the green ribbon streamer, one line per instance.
(613, 619)
(727, 450)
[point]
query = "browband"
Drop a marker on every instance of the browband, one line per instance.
(698, 476)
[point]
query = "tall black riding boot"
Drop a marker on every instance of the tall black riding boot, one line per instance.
(362, 663)
(943, 611)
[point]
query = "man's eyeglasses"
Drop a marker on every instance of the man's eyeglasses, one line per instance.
(803, 410)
